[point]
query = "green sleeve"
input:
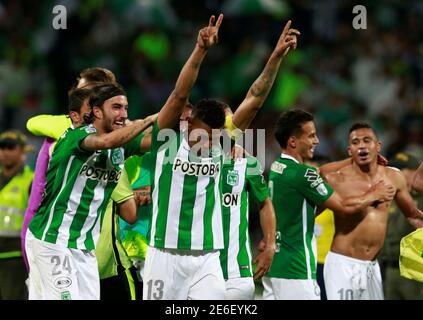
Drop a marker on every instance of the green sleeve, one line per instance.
(160, 137)
(74, 138)
(48, 125)
(132, 166)
(256, 183)
(122, 191)
(311, 185)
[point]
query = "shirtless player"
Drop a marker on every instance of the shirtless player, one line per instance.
(351, 270)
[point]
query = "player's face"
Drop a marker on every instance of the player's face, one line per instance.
(114, 113)
(363, 146)
(307, 142)
(201, 135)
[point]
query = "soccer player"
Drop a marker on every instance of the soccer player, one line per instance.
(240, 177)
(83, 171)
(297, 190)
(186, 230)
(351, 269)
(52, 127)
(116, 271)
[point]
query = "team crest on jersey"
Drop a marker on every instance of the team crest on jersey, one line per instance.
(117, 157)
(232, 178)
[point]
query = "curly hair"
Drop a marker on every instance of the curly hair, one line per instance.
(211, 112)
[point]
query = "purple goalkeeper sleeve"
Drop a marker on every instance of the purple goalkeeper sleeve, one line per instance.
(37, 190)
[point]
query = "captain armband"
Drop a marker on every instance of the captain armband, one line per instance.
(233, 132)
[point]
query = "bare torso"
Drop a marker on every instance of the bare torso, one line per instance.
(360, 235)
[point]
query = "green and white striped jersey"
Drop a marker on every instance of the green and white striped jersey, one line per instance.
(296, 189)
(239, 177)
(185, 194)
(79, 184)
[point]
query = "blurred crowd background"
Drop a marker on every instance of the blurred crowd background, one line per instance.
(340, 74)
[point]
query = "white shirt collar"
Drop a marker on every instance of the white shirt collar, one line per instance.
(287, 156)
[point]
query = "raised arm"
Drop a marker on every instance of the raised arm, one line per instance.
(267, 247)
(171, 111)
(260, 89)
(117, 138)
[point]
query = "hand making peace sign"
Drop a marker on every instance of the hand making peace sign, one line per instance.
(209, 35)
(287, 40)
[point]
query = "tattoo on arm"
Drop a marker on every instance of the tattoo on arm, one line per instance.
(263, 83)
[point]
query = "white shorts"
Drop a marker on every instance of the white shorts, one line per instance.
(59, 273)
(182, 275)
(347, 278)
(240, 289)
(290, 289)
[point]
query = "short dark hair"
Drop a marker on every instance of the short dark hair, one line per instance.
(77, 98)
(101, 93)
(361, 125)
(289, 124)
(211, 112)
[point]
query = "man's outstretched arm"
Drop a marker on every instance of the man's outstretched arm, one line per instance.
(171, 111)
(260, 89)
(118, 137)
(380, 192)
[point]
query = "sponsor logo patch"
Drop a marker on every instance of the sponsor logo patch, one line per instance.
(277, 167)
(322, 189)
(92, 172)
(208, 169)
(313, 177)
(62, 282)
(231, 199)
